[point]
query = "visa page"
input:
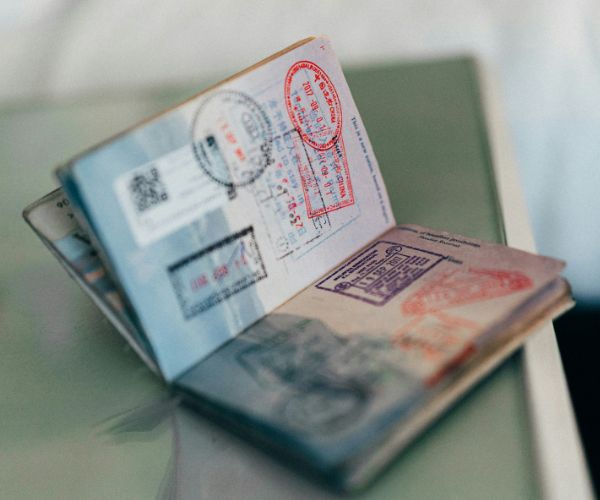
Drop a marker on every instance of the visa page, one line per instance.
(220, 210)
(331, 373)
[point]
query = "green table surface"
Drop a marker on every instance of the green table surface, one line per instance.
(82, 417)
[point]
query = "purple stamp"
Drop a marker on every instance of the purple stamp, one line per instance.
(380, 272)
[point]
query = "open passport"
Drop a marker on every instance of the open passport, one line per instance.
(243, 244)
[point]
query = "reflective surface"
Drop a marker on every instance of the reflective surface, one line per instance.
(83, 418)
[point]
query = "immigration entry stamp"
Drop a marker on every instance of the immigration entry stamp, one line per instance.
(380, 272)
(325, 178)
(296, 195)
(461, 287)
(232, 138)
(432, 345)
(217, 272)
(313, 105)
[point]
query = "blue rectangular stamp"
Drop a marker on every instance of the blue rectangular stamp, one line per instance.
(380, 272)
(217, 272)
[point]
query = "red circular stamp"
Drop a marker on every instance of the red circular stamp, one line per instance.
(313, 105)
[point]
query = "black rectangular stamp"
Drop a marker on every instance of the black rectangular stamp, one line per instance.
(217, 272)
(380, 272)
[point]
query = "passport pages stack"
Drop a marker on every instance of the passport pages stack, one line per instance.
(243, 244)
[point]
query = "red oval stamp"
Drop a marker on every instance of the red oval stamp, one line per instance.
(313, 105)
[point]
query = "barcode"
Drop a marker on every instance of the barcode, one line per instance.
(147, 190)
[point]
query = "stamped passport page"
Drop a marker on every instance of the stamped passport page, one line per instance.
(334, 370)
(218, 211)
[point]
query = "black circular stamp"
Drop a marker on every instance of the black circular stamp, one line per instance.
(232, 138)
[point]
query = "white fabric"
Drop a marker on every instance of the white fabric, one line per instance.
(546, 54)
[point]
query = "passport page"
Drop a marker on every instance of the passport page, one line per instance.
(343, 375)
(214, 213)
(53, 221)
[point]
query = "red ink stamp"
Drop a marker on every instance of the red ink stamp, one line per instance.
(325, 178)
(313, 105)
(433, 345)
(463, 287)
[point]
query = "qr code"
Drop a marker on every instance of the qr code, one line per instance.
(147, 190)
